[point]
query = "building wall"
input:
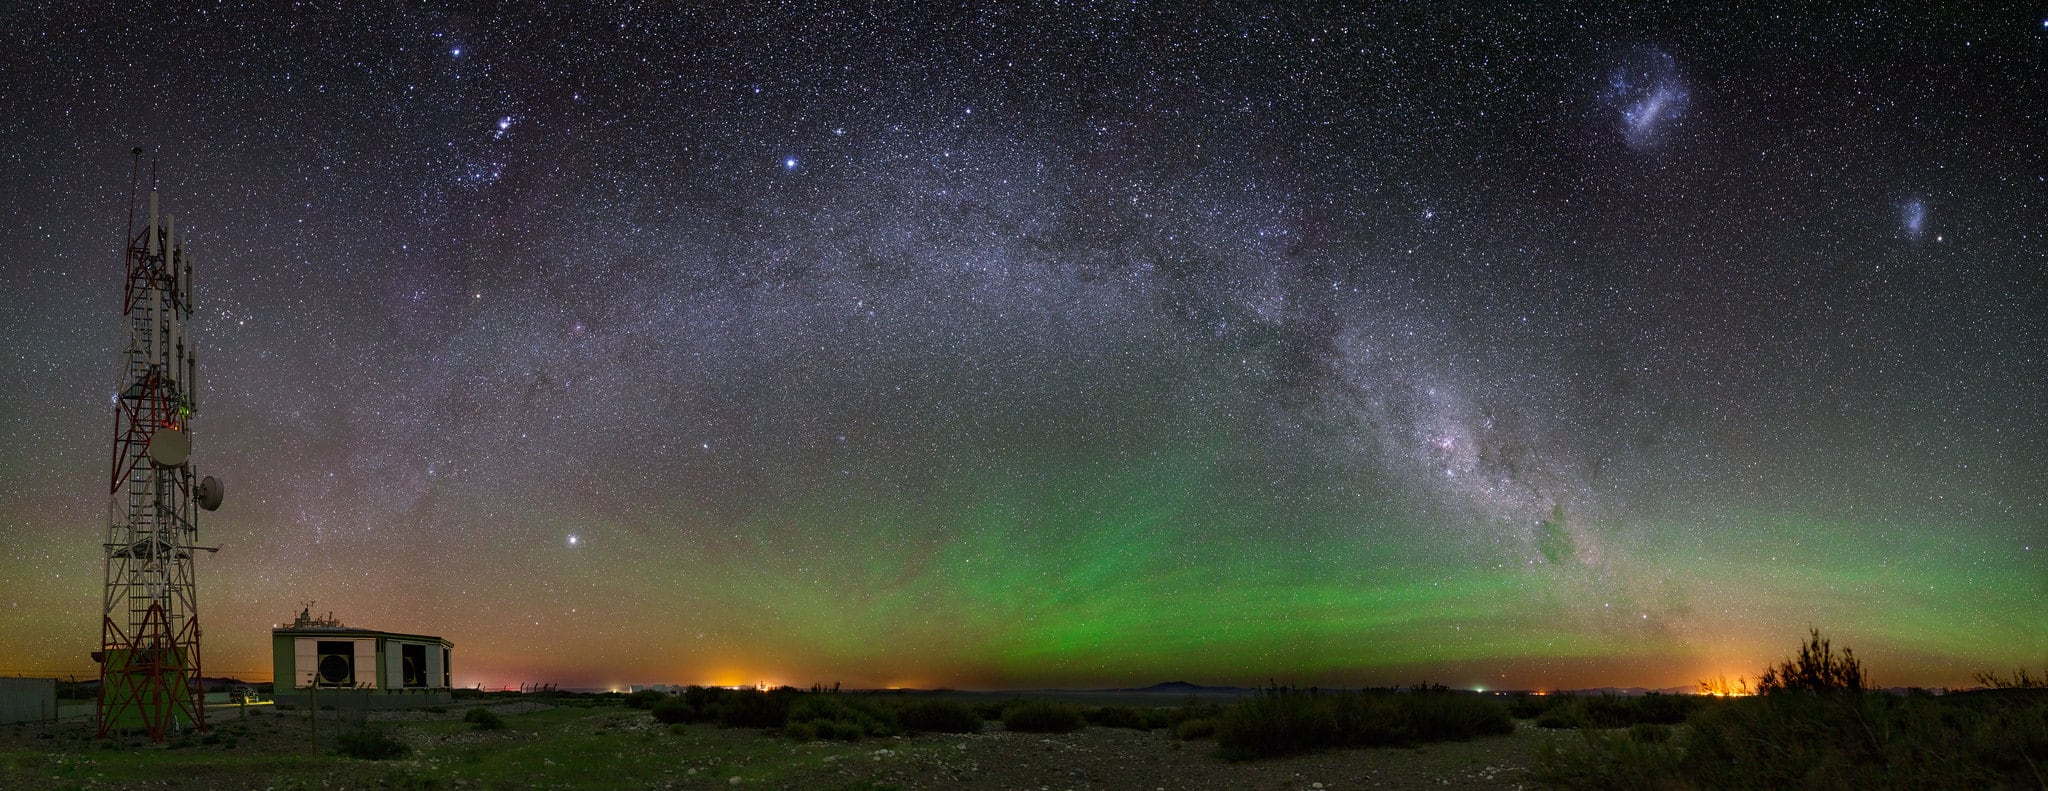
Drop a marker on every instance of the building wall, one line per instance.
(28, 700)
(377, 658)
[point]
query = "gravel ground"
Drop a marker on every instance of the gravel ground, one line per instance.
(1114, 758)
(1092, 758)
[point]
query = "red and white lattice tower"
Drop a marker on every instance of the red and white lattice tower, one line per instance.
(149, 635)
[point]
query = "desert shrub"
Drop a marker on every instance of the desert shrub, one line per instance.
(704, 698)
(1272, 725)
(1661, 709)
(1816, 730)
(1529, 707)
(938, 716)
(485, 719)
(1283, 721)
(2020, 679)
(1187, 730)
(1153, 718)
(1815, 668)
(371, 745)
(645, 699)
(1452, 716)
(836, 717)
(675, 711)
(1650, 732)
(750, 708)
(1119, 717)
(1608, 760)
(995, 709)
(1193, 710)
(1043, 717)
(1615, 711)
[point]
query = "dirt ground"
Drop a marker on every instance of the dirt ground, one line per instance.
(265, 748)
(1116, 758)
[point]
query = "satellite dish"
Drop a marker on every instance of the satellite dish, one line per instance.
(209, 493)
(169, 447)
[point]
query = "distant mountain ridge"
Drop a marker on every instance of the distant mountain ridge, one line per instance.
(1179, 687)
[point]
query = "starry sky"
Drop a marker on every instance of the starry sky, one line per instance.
(1079, 344)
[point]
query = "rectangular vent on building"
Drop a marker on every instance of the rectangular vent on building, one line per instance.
(336, 663)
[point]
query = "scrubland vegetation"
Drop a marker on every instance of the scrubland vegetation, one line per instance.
(1815, 724)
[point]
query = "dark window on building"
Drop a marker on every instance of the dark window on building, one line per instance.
(445, 672)
(335, 665)
(415, 657)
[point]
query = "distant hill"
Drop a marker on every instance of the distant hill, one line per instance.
(1182, 687)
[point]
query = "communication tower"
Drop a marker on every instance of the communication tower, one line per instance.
(149, 632)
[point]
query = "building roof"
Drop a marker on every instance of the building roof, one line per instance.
(342, 632)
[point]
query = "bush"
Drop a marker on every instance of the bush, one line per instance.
(1275, 725)
(1119, 717)
(1452, 716)
(673, 711)
(1817, 730)
(1043, 717)
(750, 708)
(1194, 729)
(1650, 732)
(704, 698)
(371, 745)
(1283, 721)
(1608, 760)
(1614, 711)
(1815, 669)
(1567, 714)
(1529, 707)
(813, 717)
(485, 719)
(938, 716)
(645, 699)
(995, 709)
(2020, 679)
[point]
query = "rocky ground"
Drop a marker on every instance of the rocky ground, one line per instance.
(1115, 758)
(614, 747)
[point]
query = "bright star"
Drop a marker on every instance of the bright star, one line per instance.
(572, 539)
(789, 163)
(456, 52)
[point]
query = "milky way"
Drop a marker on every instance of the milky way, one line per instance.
(1081, 345)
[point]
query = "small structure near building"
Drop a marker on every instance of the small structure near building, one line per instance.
(28, 700)
(316, 656)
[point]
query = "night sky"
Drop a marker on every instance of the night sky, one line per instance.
(1083, 344)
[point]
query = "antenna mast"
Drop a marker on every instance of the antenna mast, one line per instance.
(149, 633)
